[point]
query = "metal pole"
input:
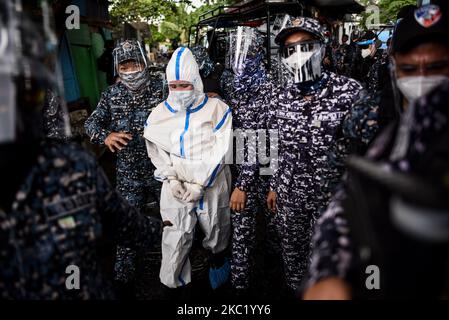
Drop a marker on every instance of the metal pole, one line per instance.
(213, 34)
(190, 33)
(197, 34)
(268, 38)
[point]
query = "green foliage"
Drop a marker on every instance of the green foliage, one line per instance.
(176, 25)
(140, 10)
(156, 36)
(176, 15)
(388, 9)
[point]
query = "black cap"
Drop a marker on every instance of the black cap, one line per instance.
(406, 10)
(426, 23)
(368, 35)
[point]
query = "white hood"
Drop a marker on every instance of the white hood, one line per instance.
(183, 66)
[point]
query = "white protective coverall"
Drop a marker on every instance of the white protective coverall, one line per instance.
(190, 146)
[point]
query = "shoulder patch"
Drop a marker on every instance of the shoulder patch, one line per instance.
(429, 15)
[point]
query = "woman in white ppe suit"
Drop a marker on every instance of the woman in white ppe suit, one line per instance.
(188, 137)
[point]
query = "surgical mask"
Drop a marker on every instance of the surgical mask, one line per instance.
(416, 87)
(366, 53)
(181, 100)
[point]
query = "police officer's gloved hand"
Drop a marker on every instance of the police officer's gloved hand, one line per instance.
(177, 188)
(194, 192)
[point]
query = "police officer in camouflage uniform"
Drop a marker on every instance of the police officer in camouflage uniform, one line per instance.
(118, 122)
(344, 59)
(252, 89)
(369, 62)
(58, 213)
(307, 114)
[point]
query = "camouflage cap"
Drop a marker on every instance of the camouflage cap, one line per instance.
(128, 50)
(295, 24)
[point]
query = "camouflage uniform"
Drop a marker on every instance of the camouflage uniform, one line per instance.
(368, 71)
(121, 110)
(227, 84)
(358, 129)
(354, 61)
(308, 122)
(205, 64)
(252, 91)
(331, 256)
(344, 59)
(378, 75)
(54, 117)
(333, 250)
(64, 212)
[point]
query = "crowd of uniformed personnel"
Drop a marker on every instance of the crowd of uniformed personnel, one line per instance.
(340, 154)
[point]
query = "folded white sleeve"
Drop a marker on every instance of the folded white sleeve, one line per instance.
(162, 161)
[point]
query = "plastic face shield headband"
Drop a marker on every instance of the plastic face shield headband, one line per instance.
(129, 54)
(302, 60)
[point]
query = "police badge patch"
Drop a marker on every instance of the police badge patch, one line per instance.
(299, 22)
(429, 15)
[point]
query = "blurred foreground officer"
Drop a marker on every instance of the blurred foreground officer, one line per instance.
(188, 136)
(420, 56)
(57, 208)
(307, 112)
(118, 123)
(392, 214)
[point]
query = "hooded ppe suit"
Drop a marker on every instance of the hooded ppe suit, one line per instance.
(189, 145)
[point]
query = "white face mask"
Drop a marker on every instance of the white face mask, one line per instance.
(416, 87)
(366, 53)
(181, 100)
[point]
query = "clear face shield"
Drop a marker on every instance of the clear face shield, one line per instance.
(28, 71)
(129, 58)
(280, 23)
(301, 61)
(130, 64)
(242, 47)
